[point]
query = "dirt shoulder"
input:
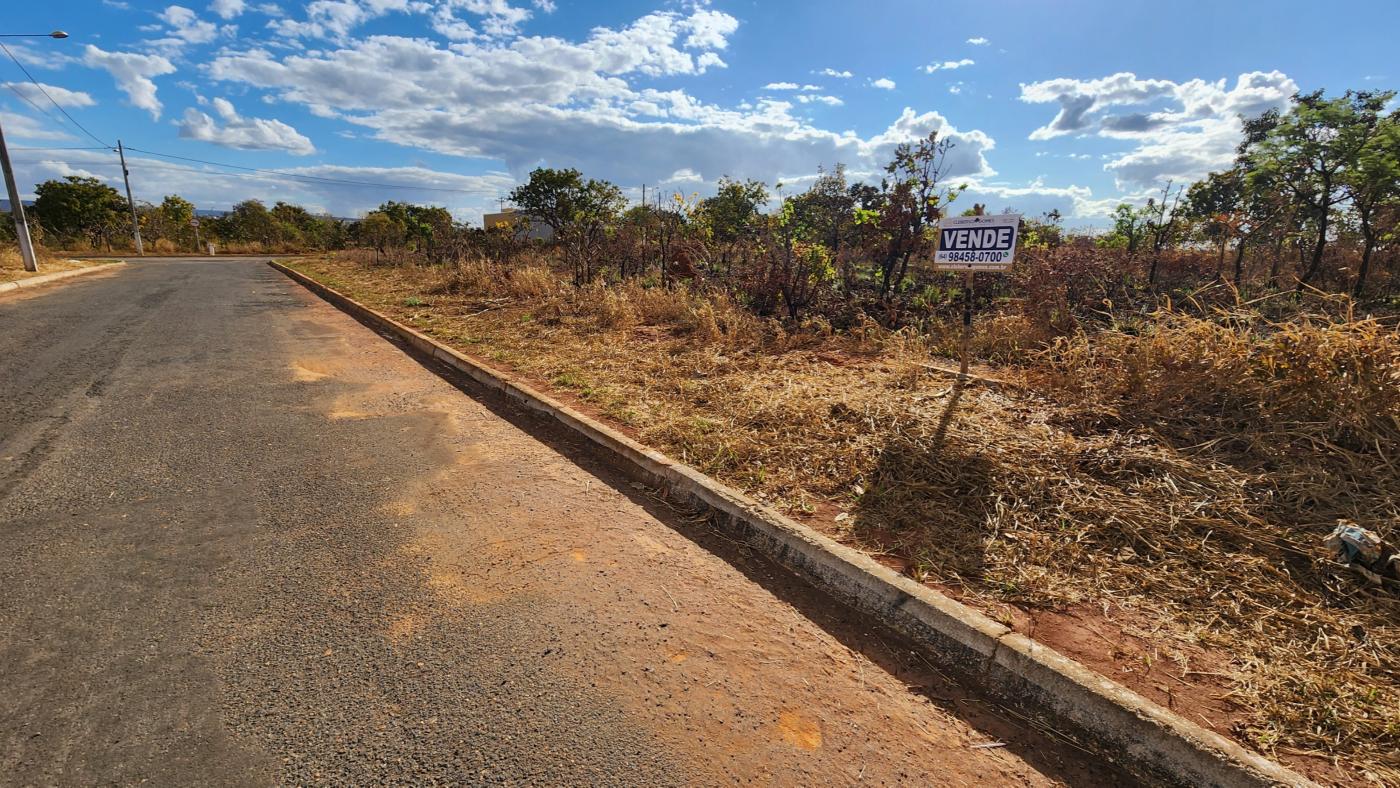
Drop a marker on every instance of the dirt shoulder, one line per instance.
(1159, 567)
(12, 267)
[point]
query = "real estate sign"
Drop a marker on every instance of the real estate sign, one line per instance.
(976, 243)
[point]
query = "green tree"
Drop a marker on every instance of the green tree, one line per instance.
(174, 216)
(1216, 204)
(730, 218)
(1373, 183)
(1129, 226)
(380, 230)
(1309, 152)
(249, 222)
(78, 207)
(579, 211)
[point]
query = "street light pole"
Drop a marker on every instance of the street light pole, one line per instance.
(26, 245)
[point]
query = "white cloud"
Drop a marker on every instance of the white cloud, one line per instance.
(709, 29)
(547, 6)
(781, 86)
(227, 9)
(1037, 198)
(524, 100)
(61, 96)
(23, 127)
(335, 19)
(949, 65)
(883, 83)
(685, 175)
(1182, 130)
(133, 74)
(831, 72)
(979, 41)
(243, 133)
(187, 27)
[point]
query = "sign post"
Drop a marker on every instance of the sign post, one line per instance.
(972, 244)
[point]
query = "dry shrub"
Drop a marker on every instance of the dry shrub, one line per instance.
(1299, 422)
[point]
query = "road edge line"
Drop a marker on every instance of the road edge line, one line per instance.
(44, 279)
(1146, 738)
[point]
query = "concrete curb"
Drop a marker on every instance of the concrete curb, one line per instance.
(43, 279)
(1148, 740)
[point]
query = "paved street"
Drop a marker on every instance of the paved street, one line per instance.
(248, 541)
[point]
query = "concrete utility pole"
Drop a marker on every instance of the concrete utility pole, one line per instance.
(126, 178)
(26, 247)
(26, 244)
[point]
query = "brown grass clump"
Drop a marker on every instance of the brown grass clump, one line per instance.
(12, 265)
(1300, 421)
(1181, 475)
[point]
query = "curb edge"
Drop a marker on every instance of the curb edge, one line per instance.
(1149, 740)
(43, 279)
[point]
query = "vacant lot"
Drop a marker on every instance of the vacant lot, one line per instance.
(1150, 498)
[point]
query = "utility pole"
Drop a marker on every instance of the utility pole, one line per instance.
(126, 178)
(26, 247)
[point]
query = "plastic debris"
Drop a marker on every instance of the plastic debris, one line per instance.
(1364, 551)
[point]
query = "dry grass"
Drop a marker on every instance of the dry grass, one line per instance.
(1185, 472)
(12, 265)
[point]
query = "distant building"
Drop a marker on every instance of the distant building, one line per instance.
(524, 225)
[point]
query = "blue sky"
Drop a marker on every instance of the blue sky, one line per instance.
(1072, 105)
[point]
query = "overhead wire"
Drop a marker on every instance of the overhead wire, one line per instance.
(38, 85)
(31, 103)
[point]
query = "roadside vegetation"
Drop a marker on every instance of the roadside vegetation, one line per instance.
(1191, 399)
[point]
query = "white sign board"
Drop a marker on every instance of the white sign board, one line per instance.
(976, 243)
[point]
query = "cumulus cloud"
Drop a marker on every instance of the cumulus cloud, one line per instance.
(243, 133)
(979, 41)
(1036, 198)
(24, 127)
(831, 72)
(186, 27)
(1183, 130)
(133, 74)
(949, 65)
(335, 19)
(227, 9)
(61, 96)
(532, 100)
(883, 83)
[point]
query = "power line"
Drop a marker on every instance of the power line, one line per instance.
(31, 103)
(50, 98)
(314, 178)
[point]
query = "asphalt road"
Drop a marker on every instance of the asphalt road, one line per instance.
(247, 541)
